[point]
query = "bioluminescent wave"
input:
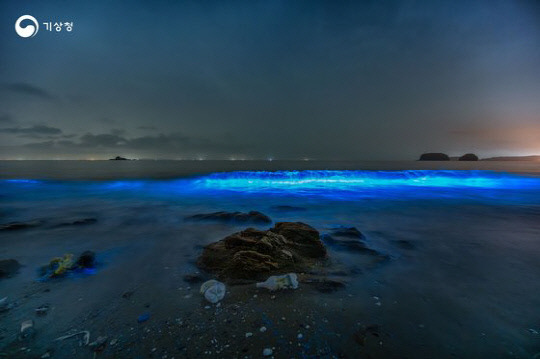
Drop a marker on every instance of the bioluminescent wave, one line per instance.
(334, 184)
(350, 180)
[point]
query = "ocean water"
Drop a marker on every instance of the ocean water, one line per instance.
(463, 242)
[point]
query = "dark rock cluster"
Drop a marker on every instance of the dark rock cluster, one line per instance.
(254, 254)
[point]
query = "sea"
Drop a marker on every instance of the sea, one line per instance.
(462, 241)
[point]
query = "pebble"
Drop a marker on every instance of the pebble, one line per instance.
(300, 336)
(267, 352)
(262, 329)
(249, 334)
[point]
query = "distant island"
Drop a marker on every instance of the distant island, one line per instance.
(119, 158)
(438, 156)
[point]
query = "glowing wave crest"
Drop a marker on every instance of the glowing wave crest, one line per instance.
(350, 180)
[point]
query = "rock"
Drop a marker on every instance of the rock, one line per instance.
(303, 238)
(87, 260)
(469, 157)
(434, 157)
(79, 222)
(350, 232)
(267, 352)
(12, 226)
(232, 217)
(193, 278)
(363, 333)
(255, 255)
(349, 239)
(118, 158)
(5, 305)
(9, 267)
(127, 294)
(99, 344)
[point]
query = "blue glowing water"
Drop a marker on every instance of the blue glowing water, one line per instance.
(334, 184)
(350, 180)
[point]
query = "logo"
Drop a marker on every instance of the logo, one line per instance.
(28, 30)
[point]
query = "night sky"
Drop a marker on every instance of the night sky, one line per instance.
(377, 80)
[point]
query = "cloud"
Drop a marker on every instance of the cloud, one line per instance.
(102, 140)
(33, 130)
(147, 128)
(28, 89)
(6, 118)
(109, 144)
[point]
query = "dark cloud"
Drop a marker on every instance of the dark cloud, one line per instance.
(163, 145)
(318, 79)
(33, 130)
(30, 90)
(102, 140)
(5, 118)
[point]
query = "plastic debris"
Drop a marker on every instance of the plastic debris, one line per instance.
(267, 352)
(143, 317)
(86, 337)
(59, 266)
(213, 291)
(27, 329)
(42, 310)
(276, 282)
(62, 266)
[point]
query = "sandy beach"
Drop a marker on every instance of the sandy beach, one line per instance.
(460, 279)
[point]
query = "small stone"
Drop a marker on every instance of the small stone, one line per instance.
(300, 336)
(99, 344)
(113, 342)
(267, 352)
(249, 334)
(127, 295)
(262, 329)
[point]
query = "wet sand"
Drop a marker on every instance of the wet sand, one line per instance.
(465, 285)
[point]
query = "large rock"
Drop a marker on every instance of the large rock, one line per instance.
(9, 267)
(434, 157)
(350, 240)
(233, 217)
(469, 157)
(254, 255)
(12, 226)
